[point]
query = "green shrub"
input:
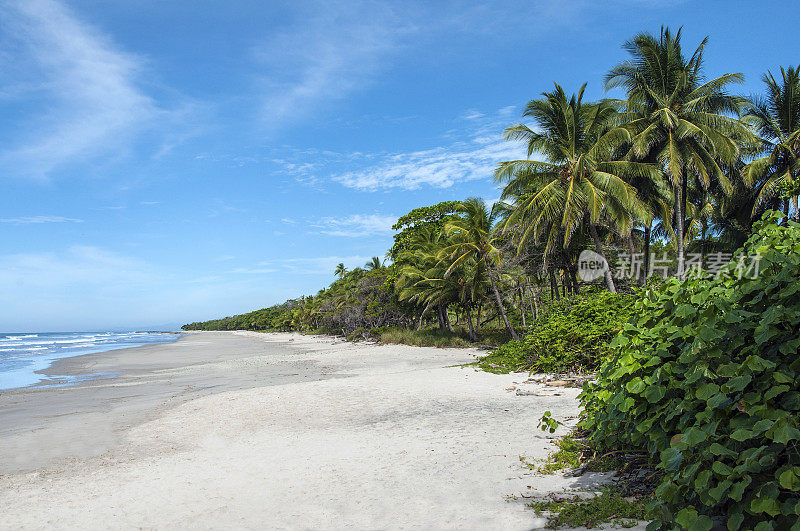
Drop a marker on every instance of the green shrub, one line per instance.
(707, 379)
(573, 335)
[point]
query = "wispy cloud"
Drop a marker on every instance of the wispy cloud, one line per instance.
(440, 167)
(84, 87)
(334, 49)
(39, 219)
(357, 225)
(473, 155)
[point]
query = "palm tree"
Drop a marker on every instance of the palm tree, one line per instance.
(421, 279)
(776, 118)
(578, 187)
(474, 240)
(374, 263)
(340, 270)
(679, 121)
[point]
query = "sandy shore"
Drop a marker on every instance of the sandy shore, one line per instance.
(232, 430)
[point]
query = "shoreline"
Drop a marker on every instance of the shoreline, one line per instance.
(48, 375)
(250, 429)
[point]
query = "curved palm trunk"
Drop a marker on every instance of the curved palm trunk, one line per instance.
(499, 303)
(598, 248)
(785, 211)
(446, 318)
(679, 215)
(468, 315)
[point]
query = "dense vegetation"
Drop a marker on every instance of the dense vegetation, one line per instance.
(699, 371)
(681, 165)
(572, 335)
(706, 379)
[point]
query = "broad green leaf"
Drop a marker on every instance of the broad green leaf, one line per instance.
(671, 458)
(706, 391)
(738, 383)
(782, 432)
(765, 505)
(654, 393)
(694, 436)
(790, 479)
(741, 434)
(718, 449)
(636, 386)
(721, 468)
(735, 522)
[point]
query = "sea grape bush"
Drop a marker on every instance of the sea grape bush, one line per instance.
(706, 377)
(572, 335)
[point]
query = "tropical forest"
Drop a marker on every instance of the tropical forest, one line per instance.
(685, 192)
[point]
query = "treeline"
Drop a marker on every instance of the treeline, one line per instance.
(680, 165)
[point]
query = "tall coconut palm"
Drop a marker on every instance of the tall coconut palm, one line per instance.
(679, 120)
(776, 118)
(578, 186)
(340, 270)
(374, 263)
(473, 239)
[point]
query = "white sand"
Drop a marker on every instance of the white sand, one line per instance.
(399, 441)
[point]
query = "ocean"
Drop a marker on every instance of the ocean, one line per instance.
(21, 355)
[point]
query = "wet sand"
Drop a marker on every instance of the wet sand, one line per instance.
(46, 422)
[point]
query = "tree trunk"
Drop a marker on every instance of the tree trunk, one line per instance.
(598, 247)
(499, 302)
(554, 286)
(468, 315)
(439, 316)
(647, 236)
(703, 244)
(447, 318)
(785, 211)
(679, 215)
(522, 307)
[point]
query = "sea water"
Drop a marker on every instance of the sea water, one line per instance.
(21, 355)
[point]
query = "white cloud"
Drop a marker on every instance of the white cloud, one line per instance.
(472, 114)
(83, 87)
(440, 167)
(334, 49)
(357, 225)
(471, 152)
(39, 219)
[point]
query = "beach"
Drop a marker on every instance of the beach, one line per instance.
(252, 430)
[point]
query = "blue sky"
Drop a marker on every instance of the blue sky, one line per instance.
(164, 162)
